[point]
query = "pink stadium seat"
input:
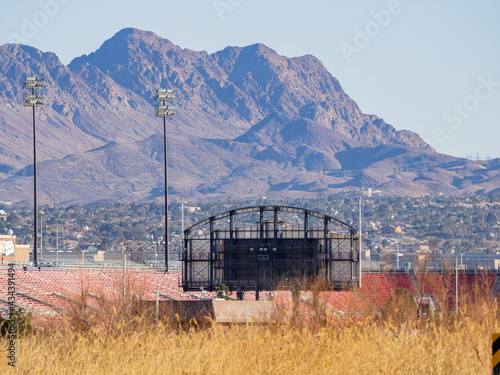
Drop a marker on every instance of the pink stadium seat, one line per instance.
(40, 291)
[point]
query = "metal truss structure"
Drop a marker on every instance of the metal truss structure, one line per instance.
(254, 248)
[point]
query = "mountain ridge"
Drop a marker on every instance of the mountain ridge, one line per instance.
(249, 122)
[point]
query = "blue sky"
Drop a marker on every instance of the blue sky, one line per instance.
(428, 66)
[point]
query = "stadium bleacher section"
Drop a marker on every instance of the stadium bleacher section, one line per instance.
(46, 291)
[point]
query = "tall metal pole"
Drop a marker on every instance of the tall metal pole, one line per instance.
(41, 236)
(166, 188)
(165, 111)
(157, 303)
(35, 203)
(33, 100)
(456, 285)
(124, 274)
(360, 242)
(397, 254)
(182, 218)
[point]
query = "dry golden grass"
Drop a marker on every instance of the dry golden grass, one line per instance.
(307, 338)
(443, 345)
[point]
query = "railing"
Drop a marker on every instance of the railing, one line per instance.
(130, 266)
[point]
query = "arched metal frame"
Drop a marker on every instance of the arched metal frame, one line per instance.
(268, 254)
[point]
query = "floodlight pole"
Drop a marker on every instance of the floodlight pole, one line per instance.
(166, 188)
(456, 285)
(35, 203)
(182, 219)
(156, 254)
(33, 100)
(124, 273)
(157, 303)
(360, 246)
(397, 254)
(165, 111)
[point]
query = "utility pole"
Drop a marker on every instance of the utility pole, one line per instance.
(182, 217)
(41, 236)
(124, 274)
(182, 227)
(456, 285)
(157, 303)
(360, 246)
(397, 255)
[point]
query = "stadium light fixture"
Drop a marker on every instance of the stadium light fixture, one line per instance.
(163, 94)
(163, 110)
(34, 83)
(33, 100)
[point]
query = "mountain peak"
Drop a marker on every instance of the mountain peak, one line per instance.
(248, 82)
(21, 54)
(120, 47)
(132, 35)
(260, 49)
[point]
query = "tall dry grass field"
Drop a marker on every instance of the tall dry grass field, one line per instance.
(127, 343)
(442, 346)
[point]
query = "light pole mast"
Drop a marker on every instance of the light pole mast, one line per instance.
(33, 100)
(182, 218)
(360, 246)
(41, 236)
(397, 254)
(57, 245)
(165, 111)
(456, 285)
(182, 229)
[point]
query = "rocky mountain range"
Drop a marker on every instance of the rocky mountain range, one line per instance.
(248, 123)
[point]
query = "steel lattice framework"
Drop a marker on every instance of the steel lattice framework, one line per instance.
(267, 254)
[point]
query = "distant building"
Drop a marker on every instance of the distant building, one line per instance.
(12, 252)
(390, 230)
(365, 254)
(424, 248)
(372, 192)
(3, 215)
(476, 262)
(99, 256)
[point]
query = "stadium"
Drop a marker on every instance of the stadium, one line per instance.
(252, 254)
(44, 292)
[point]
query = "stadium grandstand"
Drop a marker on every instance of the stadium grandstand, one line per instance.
(50, 291)
(245, 254)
